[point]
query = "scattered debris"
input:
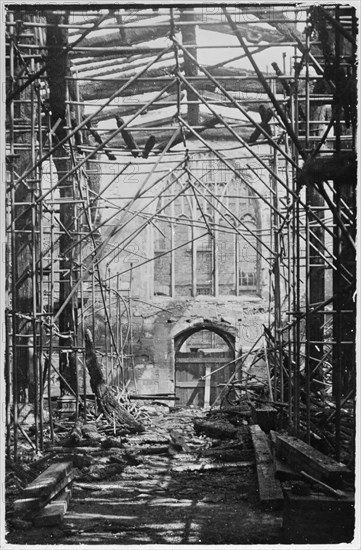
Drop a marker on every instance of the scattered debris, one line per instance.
(111, 407)
(220, 429)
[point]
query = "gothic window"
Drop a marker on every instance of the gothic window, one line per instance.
(206, 240)
(247, 254)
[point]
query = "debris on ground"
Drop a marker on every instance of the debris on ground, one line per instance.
(188, 466)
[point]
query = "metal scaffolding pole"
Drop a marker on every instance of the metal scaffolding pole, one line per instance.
(312, 223)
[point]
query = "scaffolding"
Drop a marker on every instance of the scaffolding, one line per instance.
(61, 62)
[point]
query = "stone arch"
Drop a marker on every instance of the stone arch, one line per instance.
(193, 383)
(225, 331)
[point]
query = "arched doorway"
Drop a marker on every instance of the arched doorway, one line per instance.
(202, 357)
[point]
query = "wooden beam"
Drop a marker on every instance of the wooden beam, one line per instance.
(125, 20)
(122, 66)
(44, 483)
(218, 133)
(325, 488)
(101, 89)
(301, 456)
(286, 28)
(190, 384)
(28, 505)
(113, 38)
(131, 105)
(236, 80)
(270, 490)
(205, 359)
(207, 387)
(54, 512)
(252, 33)
(132, 36)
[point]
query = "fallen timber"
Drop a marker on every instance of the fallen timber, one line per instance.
(148, 32)
(154, 80)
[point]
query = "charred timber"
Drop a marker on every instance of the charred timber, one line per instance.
(235, 81)
(131, 36)
(109, 405)
(162, 137)
(115, 62)
(127, 108)
(113, 38)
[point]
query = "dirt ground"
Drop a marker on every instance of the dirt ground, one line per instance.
(159, 499)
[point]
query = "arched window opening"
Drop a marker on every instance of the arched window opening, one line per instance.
(248, 255)
(206, 241)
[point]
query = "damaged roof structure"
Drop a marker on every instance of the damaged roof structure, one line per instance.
(181, 186)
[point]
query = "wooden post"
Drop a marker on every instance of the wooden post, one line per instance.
(207, 385)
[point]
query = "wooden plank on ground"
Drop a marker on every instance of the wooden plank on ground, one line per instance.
(44, 483)
(54, 512)
(301, 456)
(270, 490)
(28, 506)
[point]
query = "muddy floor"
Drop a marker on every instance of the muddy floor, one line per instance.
(169, 498)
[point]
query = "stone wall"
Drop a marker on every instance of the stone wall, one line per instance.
(157, 320)
(153, 344)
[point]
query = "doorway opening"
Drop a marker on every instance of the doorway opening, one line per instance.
(204, 362)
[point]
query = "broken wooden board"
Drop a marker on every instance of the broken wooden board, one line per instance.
(301, 456)
(24, 507)
(44, 483)
(324, 487)
(54, 512)
(38, 493)
(269, 488)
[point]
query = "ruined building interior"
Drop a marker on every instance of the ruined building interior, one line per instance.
(179, 210)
